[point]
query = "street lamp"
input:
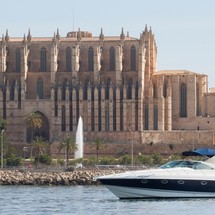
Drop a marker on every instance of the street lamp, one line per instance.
(2, 155)
(132, 149)
(132, 146)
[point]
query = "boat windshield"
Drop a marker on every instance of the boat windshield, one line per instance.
(189, 164)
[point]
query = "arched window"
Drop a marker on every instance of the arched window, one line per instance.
(183, 102)
(136, 89)
(107, 118)
(121, 109)
(136, 105)
(90, 59)
(40, 88)
(146, 113)
(99, 110)
(19, 95)
(197, 100)
(107, 88)
(43, 60)
(68, 60)
(129, 90)
(133, 58)
(12, 88)
(65, 82)
(154, 91)
(112, 59)
(18, 60)
(155, 117)
(86, 84)
(63, 124)
(165, 89)
(56, 103)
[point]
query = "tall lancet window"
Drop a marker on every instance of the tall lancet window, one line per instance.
(154, 91)
(197, 100)
(86, 84)
(18, 60)
(133, 58)
(165, 89)
(68, 60)
(12, 88)
(43, 60)
(65, 82)
(146, 122)
(155, 117)
(40, 88)
(63, 123)
(183, 102)
(107, 96)
(90, 59)
(112, 59)
(129, 90)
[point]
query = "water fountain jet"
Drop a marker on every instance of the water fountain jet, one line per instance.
(79, 139)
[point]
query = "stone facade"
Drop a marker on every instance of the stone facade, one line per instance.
(111, 81)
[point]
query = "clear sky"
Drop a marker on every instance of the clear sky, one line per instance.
(184, 29)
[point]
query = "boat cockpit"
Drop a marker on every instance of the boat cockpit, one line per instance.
(190, 164)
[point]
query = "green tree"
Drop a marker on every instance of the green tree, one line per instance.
(3, 124)
(40, 145)
(68, 144)
(97, 144)
(33, 120)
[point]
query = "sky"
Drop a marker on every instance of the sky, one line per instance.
(184, 29)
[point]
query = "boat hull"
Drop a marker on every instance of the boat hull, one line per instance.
(160, 188)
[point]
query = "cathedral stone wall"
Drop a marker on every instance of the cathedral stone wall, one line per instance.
(110, 81)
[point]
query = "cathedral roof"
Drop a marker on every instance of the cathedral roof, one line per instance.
(176, 72)
(65, 39)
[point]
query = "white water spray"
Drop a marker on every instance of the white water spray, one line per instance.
(79, 139)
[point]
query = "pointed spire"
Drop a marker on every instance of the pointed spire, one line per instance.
(122, 35)
(6, 36)
(29, 35)
(146, 29)
(3, 39)
(150, 29)
(101, 36)
(58, 35)
(24, 40)
(54, 40)
(79, 34)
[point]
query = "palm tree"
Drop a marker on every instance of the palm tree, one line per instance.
(33, 121)
(40, 144)
(97, 144)
(69, 145)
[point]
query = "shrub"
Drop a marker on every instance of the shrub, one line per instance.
(125, 160)
(13, 161)
(107, 161)
(145, 160)
(61, 162)
(157, 159)
(44, 159)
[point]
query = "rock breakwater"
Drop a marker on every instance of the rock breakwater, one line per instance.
(76, 177)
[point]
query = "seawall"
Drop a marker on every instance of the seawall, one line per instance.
(76, 177)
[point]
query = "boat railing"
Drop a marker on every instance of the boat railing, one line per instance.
(114, 169)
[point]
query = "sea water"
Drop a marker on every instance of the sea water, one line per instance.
(56, 200)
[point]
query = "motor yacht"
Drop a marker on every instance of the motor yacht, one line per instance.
(175, 179)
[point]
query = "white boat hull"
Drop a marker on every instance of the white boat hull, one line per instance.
(131, 192)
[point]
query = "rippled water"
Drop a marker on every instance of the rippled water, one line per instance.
(27, 200)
